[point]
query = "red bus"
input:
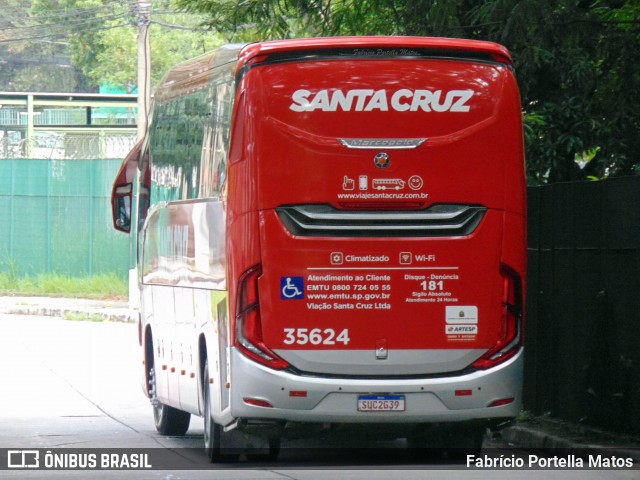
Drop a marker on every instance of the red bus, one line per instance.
(332, 231)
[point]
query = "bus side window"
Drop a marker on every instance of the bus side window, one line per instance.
(176, 137)
(144, 186)
(215, 146)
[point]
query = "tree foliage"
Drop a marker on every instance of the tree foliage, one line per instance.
(28, 67)
(577, 62)
(105, 46)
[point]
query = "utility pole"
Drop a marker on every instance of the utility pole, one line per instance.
(144, 101)
(144, 65)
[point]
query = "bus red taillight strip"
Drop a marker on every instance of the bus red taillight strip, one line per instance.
(249, 324)
(510, 339)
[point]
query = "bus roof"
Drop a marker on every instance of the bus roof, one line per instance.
(459, 47)
(191, 74)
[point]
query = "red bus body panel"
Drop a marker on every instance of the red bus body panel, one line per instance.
(383, 304)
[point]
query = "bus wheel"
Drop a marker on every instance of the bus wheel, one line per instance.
(212, 431)
(424, 447)
(270, 456)
(454, 444)
(467, 442)
(168, 420)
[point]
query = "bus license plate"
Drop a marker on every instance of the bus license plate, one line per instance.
(381, 403)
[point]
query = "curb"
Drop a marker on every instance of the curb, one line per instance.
(61, 307)
(531, 438)
(104, 315)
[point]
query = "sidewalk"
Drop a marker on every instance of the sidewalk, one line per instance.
(96, 310)
(566, 438)
(533, 433)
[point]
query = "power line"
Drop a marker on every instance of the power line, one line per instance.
(72, 24)
(180, 27)
(81, 20)
(63, 22)
(38, 35)
(60, 15)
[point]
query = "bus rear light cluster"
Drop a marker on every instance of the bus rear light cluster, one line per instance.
(249, 324)
(257, 402)
(501, 402)
(510, 337)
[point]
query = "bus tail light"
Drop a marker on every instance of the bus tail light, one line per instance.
(248, 322)
(501, 402)
(510, 337)
(257, 402)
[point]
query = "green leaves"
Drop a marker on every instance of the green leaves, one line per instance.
(577, 62)
(102, 37)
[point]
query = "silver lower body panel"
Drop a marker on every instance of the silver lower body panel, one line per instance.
(332, 400)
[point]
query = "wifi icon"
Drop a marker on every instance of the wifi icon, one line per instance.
(406, 258)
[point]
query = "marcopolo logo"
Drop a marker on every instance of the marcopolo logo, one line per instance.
(368, 100)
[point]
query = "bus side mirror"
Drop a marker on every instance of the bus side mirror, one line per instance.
(122, 192)
(121, 200)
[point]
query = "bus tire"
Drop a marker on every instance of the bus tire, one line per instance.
(454, 444)
(271, 455)
(168, 420)
(212, 431)
(171, 421)
(467, 442)
(423, 447)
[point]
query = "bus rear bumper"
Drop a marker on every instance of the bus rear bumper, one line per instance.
(491, 394)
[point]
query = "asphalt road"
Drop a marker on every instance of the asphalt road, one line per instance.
(67, 384)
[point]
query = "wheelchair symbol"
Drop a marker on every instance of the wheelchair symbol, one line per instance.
(292, 288)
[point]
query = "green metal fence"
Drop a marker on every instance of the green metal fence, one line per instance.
(55, 217)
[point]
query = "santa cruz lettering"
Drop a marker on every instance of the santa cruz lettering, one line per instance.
(367, 100)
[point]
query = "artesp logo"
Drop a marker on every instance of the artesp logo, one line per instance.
(466, 329)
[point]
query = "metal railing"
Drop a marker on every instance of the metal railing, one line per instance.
(61, 125)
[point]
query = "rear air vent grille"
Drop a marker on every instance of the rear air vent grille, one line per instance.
(435, 221)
